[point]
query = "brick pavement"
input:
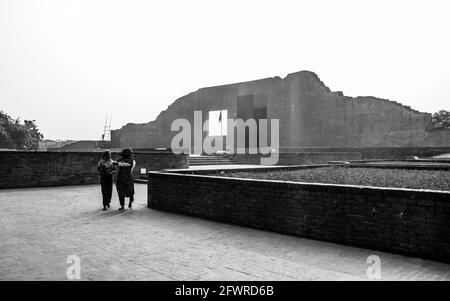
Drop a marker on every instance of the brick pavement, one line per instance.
(41, 227)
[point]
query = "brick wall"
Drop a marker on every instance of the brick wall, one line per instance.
(297, 158)
(159, 160)
(374, 152)
(253, 169)
(411, 222)
(310, 115)
(34, 169)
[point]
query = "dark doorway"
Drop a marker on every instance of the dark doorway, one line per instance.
(249, 107)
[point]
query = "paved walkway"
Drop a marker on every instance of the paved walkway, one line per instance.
(41, 227)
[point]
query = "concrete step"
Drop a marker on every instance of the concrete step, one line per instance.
(212, 163)
(218, 160)
(211, 160)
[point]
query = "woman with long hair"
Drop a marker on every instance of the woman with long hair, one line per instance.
(124, 181)
(106, 170)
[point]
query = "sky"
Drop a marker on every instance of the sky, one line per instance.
(66, 64)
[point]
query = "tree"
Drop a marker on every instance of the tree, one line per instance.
(441, 120)
(17, 135)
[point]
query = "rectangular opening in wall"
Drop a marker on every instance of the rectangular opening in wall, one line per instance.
(217, 123)
(252, 107)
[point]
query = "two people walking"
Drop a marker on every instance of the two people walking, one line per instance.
(123, 168)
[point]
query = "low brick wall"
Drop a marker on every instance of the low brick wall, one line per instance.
(158, 160)
(259, 169)
(19, 169)
(411, 222)
(296, 158)
(375, 152)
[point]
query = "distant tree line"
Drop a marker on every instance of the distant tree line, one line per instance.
(15, 134)
(48, 143)
(441, 120)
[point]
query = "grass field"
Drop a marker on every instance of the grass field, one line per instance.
(379, 177)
